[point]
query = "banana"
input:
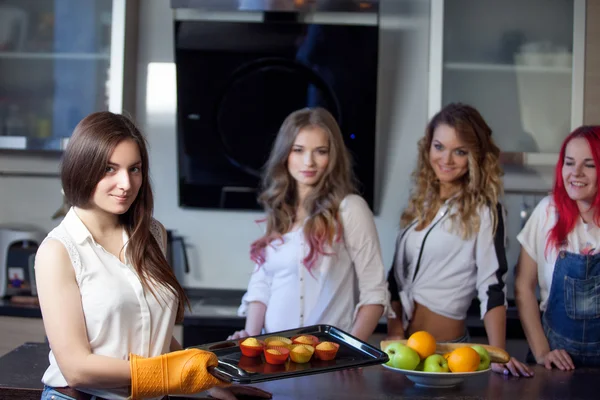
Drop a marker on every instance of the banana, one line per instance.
(497, 355)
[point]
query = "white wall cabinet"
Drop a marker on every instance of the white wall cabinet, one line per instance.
(61, 60)
(521, 64)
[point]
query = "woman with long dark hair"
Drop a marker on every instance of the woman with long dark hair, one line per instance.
(109, 299)
(560, 253)
(319, 261)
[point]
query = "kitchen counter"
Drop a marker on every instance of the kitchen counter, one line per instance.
(213, 316)
(21, 370)
(10, 309)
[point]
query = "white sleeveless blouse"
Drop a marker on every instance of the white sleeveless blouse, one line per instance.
(120, 317)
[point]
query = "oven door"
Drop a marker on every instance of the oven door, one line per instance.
(236, 83)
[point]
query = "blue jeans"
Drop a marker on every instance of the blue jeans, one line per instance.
(572, 318)
(466, 338)
(51, 394)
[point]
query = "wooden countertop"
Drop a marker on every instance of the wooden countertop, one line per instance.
(22, 369)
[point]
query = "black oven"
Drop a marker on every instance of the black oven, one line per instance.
(238, 80)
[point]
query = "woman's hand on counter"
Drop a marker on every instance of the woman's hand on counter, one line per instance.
(513, 367)
(558, 357)
(238, 335)
(231, 392)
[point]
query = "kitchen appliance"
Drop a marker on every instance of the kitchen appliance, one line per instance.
(177, 255)
(18, 245)
(240, 73)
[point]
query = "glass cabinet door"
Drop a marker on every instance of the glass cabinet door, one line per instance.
(54, 69)
(515, 62)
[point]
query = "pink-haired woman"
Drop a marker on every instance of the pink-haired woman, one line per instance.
(319, 261)
(560, 252)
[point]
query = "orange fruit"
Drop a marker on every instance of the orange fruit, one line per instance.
(463, 359)
(423, 343)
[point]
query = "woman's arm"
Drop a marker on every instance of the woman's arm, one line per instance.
(255, 321)
(362, 242)
(529, 313)
(254, 303)
(64, 322)
(395, 329)
(366, 321)
(495, 326)
(490, 258)
(527, 304)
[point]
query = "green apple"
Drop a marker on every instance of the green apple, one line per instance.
(402, 356)
(436, 363)
(484, 357)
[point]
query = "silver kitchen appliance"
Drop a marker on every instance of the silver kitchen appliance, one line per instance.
(18, 245)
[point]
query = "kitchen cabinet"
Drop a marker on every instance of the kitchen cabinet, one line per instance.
(591, 102)
(521, 64)
(59, 61)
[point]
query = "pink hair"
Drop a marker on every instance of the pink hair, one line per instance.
(317, 240)
(566, 208)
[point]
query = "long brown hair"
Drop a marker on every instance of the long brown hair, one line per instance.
(84, 165)
(480, 186)
(279, 194)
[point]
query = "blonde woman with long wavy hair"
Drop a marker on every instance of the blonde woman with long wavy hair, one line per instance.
(451, 245)
(319, 260)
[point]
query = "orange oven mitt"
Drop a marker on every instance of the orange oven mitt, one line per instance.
(178, 372)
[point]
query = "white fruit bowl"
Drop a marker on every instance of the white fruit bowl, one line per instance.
(437, 379)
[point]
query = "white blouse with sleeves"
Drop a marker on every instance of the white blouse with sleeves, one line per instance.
(337, 285)
(120, 316)
(439, 269)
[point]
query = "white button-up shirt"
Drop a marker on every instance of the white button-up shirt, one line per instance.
(336, 286)
(120, 317)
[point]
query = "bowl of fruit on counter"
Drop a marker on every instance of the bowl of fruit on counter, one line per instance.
(428, 363)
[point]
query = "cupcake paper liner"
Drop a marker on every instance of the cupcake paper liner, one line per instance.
(327, 355)
(276, 358)
(302, 358)
(251, 351)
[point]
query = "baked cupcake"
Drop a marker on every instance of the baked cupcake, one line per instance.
(276, 355)
(278, 341)
(301, 353)
(326, 350)
(251, 347)
(305, 339)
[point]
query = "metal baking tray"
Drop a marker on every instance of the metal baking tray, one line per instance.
(237, 368)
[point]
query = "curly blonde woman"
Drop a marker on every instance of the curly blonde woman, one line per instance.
(452, 242)
(319, 261)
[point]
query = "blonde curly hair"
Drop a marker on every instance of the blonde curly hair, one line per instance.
(480, 186)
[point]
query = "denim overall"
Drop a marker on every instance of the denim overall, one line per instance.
(572, 318)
